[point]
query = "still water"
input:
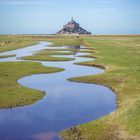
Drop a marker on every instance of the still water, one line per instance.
(66, 104)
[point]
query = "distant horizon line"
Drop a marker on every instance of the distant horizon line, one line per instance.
(63, 34)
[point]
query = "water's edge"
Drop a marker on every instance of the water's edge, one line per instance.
(67, 103)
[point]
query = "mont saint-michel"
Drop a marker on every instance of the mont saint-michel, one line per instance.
(73, 27)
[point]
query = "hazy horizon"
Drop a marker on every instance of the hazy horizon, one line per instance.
(49, 16)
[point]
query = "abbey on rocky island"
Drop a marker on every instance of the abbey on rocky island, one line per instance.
(73, 28)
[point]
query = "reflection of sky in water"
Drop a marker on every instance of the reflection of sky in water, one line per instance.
(27, 51)
(66, 104)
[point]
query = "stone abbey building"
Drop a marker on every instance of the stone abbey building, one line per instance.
(73, 28)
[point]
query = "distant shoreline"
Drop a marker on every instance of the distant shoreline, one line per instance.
(100, 35)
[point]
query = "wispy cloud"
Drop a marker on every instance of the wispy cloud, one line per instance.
(26, 2)
(109, 2)
(37, 2)
(102, 1)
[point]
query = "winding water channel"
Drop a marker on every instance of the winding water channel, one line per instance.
(66, 104)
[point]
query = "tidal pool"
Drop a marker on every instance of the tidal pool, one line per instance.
(66, 104)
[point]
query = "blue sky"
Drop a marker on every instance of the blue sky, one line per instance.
(48, 16)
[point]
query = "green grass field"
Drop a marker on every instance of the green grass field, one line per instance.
(119, 55)
(12, 42)
(60, 40)
(47, 55)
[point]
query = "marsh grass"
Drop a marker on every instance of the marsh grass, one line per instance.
(119, 56)
(47, 55)
(6, 56)
(12, 42)
(60, 40)
(11, 93)
(46, 58)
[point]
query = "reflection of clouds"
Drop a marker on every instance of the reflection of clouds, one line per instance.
(18, 115)
(44, 136)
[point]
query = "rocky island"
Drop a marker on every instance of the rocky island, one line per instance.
(73, 27)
